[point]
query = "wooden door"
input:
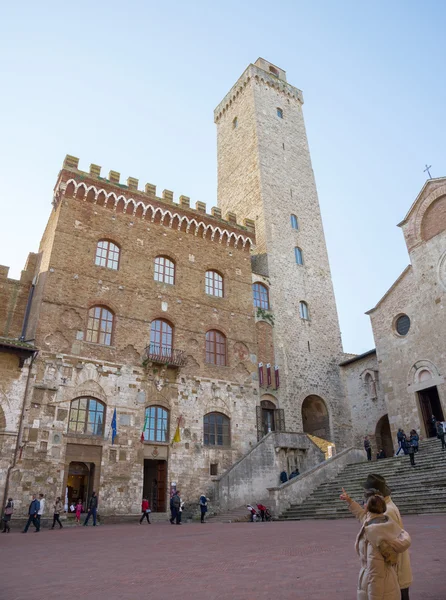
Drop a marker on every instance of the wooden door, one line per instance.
(162, 485)
(426, 411)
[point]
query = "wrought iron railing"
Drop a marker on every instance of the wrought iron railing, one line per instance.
(166, 356)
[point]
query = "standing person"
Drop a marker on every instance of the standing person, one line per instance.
(440, 434)
(175, 508)
(203, 506)
(92, 509)
(283, 477)
(414, 440)
(32, 512)
(262, 510)
(41, 508)
(411, 451)
(58, 508)
(433, 426)
(78, 510)
(379, 544)
(145, 509)
(368, 447)
(7, 515)
(381, 454)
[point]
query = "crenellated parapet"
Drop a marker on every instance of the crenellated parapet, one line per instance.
(128, 199)
(262, 77)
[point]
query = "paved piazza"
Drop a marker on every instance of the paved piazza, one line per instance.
(308, 560)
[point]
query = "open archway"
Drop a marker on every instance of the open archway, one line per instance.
(315, 417)
(383, 436)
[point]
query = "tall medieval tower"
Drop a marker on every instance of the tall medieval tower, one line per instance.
(265, 174)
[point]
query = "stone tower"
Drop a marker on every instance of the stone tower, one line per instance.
(265, 174)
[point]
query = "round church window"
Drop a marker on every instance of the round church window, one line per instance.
(402, 325)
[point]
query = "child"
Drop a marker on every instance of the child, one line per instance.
(145, 509)
(78, 511)
(253, 513)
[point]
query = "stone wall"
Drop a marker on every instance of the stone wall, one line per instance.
(247, 480)
(298, 489)
(365, 393)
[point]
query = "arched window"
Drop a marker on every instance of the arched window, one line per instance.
(235, 123)
(161, 337)
(100, 326)
(294, 223)
(370, 385)
(298, 256)
(260, 294)
(107, 255)
(156, 424)
(164, 270)
(279, 113)
(87, 416)
(215, 348)
(303, 311)
(214, 284)
(216, 430)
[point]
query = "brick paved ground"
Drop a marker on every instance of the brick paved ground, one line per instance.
(307, 560)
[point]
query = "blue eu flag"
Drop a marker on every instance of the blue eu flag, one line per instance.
(114, 427)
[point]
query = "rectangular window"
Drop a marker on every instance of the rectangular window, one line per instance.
(213, 470)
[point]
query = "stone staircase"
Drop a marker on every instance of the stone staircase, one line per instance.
(415, 490)
(235, 515)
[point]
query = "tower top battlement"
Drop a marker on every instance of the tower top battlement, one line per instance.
(263, 72)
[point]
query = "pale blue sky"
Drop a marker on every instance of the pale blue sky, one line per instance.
(132, 86)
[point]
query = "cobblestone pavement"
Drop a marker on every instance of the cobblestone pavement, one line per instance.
(305, 560)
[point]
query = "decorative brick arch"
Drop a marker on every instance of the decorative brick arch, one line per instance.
(434, 219)
(432, 197)
(418, 368)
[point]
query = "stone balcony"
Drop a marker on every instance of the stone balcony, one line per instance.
(162, 355)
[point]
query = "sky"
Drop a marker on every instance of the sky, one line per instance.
(132, 87)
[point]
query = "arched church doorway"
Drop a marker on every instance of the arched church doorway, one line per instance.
(80, 482)
(315, 417)
(383, 436)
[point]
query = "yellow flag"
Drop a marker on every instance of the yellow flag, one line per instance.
(177, 437)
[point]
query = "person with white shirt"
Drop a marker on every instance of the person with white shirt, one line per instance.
(41, 510)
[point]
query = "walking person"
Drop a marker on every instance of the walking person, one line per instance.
(92, 509)
(145, 509)
(401, 437)
(368, 447)
(78, 510)
(58, 508)
(203, 506)
(379, 544)
(7, 515)
(440, 434)
(181, 509)
(32, 514)
(41, 508)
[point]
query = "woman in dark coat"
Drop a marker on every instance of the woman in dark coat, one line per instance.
(7, 514)
(203, 506)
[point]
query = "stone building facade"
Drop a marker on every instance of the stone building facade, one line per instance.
(265, 174)
(409, 322)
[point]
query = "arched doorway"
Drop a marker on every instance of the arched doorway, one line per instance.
(268, 420)
(315, 417)
(80, 480)
(383, 436)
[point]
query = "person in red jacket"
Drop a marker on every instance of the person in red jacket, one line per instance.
(145, 509)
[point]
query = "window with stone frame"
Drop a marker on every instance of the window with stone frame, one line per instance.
(164, 270)
(279, 113)
(260, 296)
(107, 255)
(303, 311)
(294, 222)
(87, 416)
(214, 284)
(100, 326)
(156, 424)
(298, 256)
(216, 430)
(215, 348)
(161, 338)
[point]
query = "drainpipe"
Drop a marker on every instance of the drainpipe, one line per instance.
(20, 431)
(28, 309)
